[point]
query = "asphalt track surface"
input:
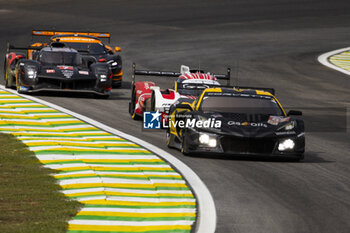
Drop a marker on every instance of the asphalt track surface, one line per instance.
(273, 43)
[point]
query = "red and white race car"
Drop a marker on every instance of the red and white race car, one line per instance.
(146, 96)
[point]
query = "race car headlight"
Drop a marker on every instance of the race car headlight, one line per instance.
(288, 126)
(207, 140)
(212, 142)
(204, 138)
(31, 73)
(287, 144)
(103, 77)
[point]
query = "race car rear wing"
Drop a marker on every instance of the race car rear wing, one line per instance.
(173, 74)
(105, 35)
(10, 47)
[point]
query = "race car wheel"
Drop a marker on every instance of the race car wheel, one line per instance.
(7, 80)
(184, 147)
(135, 117)
(6, 76)
(171, 141)
(18, 86)
(168, 138)
(132, 106)
(153, 102)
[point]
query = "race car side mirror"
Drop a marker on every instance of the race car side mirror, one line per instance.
(184, 106)
(294, 113)
(117, 49)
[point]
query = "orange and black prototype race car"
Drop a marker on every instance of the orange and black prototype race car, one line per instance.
(88, 44)
(56, 67)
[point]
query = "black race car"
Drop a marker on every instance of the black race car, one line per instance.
(56, 68)
(88, 43)
(236, 122)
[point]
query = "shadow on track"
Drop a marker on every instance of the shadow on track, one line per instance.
(310, 157)
(114, 96)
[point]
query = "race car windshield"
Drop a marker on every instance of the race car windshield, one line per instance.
(60, 58)
(92, 48)
(193, 89)
(241, 105)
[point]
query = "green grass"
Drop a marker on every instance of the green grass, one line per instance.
(30, 200)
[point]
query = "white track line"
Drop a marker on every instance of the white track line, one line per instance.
(323, 59)
(138, 210)
(127, 223)
(206, 217)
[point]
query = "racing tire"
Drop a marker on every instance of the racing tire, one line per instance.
(171, 141)
(168, 139)
(19, 90)
(136, 117)
(153, 102)
(184, 147)
(6, 76)
(132, 106)
(7, 80)
(18, 87)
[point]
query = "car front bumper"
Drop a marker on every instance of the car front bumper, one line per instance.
(252, 146)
